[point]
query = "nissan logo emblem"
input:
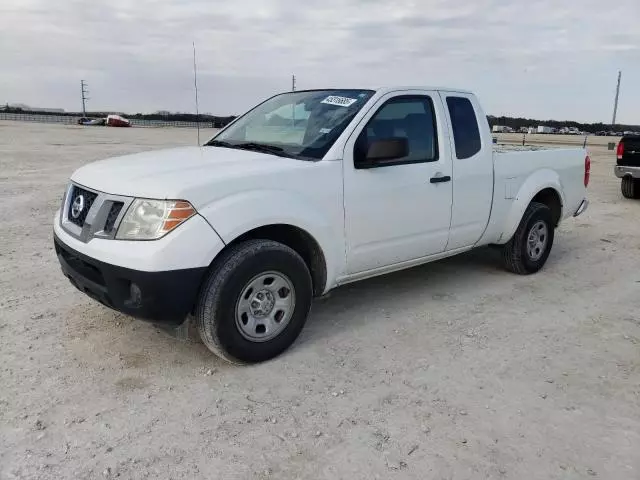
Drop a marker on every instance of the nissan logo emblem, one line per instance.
(77, 206)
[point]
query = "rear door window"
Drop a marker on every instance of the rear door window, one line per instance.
(466, 134)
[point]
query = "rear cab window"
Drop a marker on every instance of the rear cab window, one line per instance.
(466, 133)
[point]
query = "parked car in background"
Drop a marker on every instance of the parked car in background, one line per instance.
(628, 165)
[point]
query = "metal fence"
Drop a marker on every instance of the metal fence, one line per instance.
(71, 120)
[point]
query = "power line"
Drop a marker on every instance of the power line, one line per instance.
(83, 87)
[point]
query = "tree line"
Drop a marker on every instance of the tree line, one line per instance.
(519, 122)
(220, 121)
(215, 120)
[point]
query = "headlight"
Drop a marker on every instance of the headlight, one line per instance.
(152, 219)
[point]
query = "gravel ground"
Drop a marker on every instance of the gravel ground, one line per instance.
(454, 370)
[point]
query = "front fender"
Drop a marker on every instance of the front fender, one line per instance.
(236, 214)
(533, 184)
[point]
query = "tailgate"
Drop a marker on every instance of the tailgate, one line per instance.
(631, 154)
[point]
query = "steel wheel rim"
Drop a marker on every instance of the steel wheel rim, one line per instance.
(537, 240)
(265, 306)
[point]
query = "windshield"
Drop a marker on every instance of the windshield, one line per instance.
(297, 124)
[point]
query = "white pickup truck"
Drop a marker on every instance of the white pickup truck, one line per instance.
(307, 191)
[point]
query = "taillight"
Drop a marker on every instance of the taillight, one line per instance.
(620, 150)
(587, 170)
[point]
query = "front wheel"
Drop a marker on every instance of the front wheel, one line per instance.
(254, 302)
(529, 248)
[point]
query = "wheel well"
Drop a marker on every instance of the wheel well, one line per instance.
(551, 199)
(300, 241)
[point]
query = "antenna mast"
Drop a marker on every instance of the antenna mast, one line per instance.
(293, 107)
(195, 85)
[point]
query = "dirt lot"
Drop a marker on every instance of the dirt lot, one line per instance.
(454, 370)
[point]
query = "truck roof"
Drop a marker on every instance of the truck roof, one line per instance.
(388, 89)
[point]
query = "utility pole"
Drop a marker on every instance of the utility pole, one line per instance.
(195, 88)
(293, 83)
(615, 105)
(83, 87)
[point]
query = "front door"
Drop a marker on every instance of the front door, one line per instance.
(401, 210)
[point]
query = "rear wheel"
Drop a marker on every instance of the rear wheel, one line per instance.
(255, 302)
(530, 246)
(630, 187)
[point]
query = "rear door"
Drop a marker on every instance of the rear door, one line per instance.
(472, 160)
(401, 210)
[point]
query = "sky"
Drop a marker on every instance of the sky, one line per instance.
(544, 59)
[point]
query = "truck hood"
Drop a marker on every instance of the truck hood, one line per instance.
(175, 173)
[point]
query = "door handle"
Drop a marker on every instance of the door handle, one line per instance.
(445, 178)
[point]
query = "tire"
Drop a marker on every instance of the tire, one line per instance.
(630, 187)
(517, 256)
(230, 326)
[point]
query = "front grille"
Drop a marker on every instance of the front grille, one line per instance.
(87, 200)
(114, 211)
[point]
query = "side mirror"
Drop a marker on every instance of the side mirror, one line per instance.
(381, 151)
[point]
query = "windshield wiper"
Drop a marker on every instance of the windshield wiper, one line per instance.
(219, 143)
(253, 146)
(261, 147)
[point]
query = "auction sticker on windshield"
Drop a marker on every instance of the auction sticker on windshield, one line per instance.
(340, 101)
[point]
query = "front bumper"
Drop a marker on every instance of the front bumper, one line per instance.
(164, 297)
(621, 171)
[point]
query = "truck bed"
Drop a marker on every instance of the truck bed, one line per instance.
(511, 147)
(521, 170)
